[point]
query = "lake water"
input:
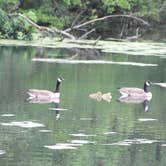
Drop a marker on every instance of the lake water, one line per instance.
(83, 131)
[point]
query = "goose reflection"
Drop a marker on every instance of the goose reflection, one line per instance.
(43, 100)
(135, 100)
(55, 107)
(57, 110)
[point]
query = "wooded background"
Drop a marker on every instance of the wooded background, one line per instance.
(62, 16)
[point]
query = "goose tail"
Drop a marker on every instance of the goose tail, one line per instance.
(31, 96)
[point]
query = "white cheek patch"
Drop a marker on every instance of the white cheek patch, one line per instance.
(60, 80)
(147, 83)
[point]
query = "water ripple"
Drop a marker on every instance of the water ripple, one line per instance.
(60, 146)
(146, 119)
(82, 135)
(2, 152)
(7, 115)
(24, 124)
(129, 142)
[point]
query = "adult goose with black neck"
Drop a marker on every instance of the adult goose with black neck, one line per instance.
(137, 93)
(46, 94)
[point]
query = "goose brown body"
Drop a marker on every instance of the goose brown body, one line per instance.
(134, 93)
(45, 95)
(42, 93)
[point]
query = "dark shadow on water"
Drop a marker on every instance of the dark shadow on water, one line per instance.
(69, 53)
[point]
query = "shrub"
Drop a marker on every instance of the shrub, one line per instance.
(14, 27)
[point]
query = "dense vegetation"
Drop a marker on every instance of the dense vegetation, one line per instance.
(64, 14)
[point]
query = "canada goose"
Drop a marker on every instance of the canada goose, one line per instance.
(136, 93)
(38, 95)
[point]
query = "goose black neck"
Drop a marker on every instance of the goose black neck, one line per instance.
(145, 87)
(57, 86)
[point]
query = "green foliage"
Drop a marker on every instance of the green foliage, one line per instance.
(72, 2)
(32, 15)
(163, 12)
(112, 4)
(3, 17)
(8, 5)
(13, 27)
(64, 13)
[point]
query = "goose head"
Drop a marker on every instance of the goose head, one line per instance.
(60, 79)
(58, 82)
(147, 84)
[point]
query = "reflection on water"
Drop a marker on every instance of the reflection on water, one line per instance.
(82, 135)
(61, 146)
(130, 99)
(24, 124)
(78, 130)
(45, 131)
(7, 115)
(134, 141)
(51, 60)
(146, 119)
(2, 152)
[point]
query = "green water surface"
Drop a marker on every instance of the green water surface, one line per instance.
(103, 133)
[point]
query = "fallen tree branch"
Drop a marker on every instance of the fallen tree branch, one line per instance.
(87, 33)
(106, 17)
(77, 18)
(43, 28)
(65, 33)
